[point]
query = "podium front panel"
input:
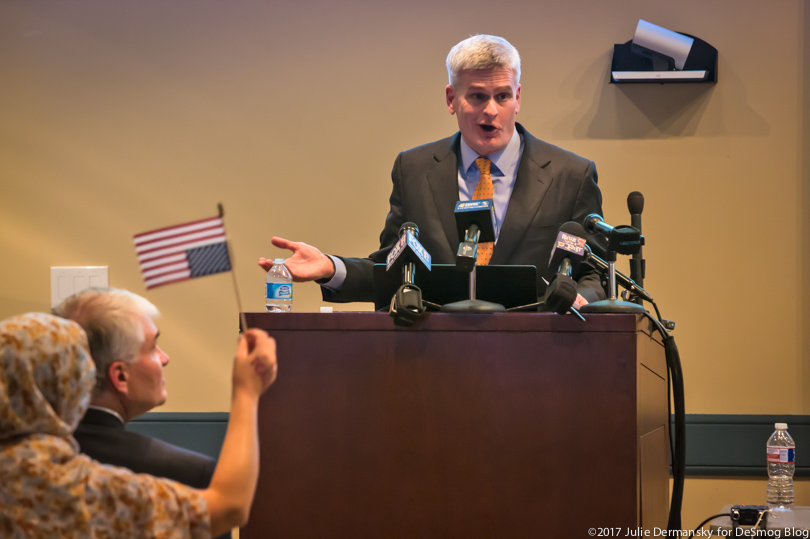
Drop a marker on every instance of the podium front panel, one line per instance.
(501, 425)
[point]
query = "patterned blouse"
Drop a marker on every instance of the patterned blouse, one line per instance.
(49, 490)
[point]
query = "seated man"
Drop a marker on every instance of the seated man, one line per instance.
(129, 382)
(535, 186)
(49, 490)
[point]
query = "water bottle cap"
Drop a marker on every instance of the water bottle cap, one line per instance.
(278, 261)
(780, 426)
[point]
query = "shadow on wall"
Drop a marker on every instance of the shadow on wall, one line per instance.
(656, 111)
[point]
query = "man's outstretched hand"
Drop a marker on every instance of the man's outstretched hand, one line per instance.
(307, 263)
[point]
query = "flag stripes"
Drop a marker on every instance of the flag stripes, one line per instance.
(181, 252)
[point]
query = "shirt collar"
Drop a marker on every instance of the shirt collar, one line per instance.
(107, 410)
(501, 160)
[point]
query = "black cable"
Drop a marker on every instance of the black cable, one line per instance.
(708, 519)
(669, 411)
(657, 312)
(679, 419)
(678, 438)
(669, 387)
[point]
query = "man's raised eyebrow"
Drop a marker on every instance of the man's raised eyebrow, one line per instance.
(477, 87)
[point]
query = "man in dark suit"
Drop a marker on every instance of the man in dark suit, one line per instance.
(102, 436)
(535, 186)
(129, 362)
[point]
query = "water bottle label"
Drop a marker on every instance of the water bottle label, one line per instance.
(278, 291)
(781, 454)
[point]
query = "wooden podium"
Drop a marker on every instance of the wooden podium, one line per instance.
(499, 425)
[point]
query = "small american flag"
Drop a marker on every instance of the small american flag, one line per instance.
(178, 253)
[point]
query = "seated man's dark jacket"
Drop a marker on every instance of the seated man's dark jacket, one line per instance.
(102, 437)
(553, 186)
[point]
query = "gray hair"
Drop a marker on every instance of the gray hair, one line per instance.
(111, 319)
(482, 51)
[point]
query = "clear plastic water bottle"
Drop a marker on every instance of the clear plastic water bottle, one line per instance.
(278, 288)
(781, 466)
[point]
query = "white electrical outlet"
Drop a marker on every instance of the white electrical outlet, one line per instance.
(66, 281)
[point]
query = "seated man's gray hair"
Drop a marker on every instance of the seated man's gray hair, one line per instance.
(110, 317)
(482, 52)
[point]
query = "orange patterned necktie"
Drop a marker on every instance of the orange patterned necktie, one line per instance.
(484, 190)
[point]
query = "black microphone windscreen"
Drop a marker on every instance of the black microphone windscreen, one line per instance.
(635, 203)
(590, 222)
(561, 294)
(573, 228)
(409, 226)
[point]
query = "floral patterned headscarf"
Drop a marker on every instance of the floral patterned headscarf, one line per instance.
(48, 489)
(46, 376)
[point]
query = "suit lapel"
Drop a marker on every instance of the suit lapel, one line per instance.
(531, 185)
(443, 181)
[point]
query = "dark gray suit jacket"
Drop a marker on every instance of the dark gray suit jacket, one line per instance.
(102, 437)
(553, 186)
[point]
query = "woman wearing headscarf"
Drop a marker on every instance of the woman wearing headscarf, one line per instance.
(48, 489)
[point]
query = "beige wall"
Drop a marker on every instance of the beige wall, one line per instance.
(118, 117)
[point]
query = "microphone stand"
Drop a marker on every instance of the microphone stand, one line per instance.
(469, 250)
(637, 272)
(473, 305)
(635, 205)
(613, 304)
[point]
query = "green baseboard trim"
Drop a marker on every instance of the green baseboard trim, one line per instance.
(716, 444)
(202, 432)
(734, 445)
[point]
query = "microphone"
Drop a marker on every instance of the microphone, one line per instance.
(635, 204)
(626, 282)
(577, 231)
(622, 239)
(569, 249)
(406, 305)
(561, 294)
(475, 221)
(408, 252)
(566, 256)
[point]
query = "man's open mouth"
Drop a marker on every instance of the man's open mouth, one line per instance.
(488, 128)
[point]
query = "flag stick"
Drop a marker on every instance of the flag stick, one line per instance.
(233, 271)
